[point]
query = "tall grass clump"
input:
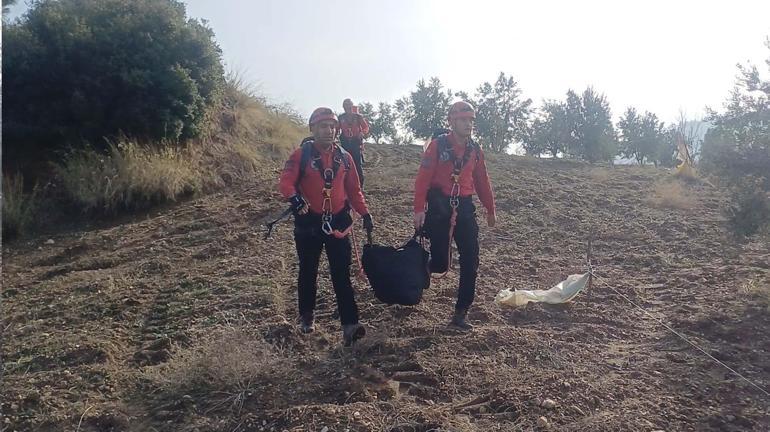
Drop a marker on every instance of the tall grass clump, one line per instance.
(19, 207)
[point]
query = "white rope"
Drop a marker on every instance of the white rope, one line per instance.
(681, 336)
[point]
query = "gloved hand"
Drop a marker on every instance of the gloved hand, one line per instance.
(298, 205)
(368, 223)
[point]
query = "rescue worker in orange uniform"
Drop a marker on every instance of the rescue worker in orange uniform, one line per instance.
(353, 129)
(321, 182)
(451, 171)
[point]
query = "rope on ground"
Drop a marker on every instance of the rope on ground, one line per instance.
(681, 336)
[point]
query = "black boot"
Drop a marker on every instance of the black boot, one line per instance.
(352, 333)
(458, 320)
(306, 323)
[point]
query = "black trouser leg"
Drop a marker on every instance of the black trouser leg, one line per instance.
(309, 253)
(467, 240)
(339, 253)
(353, 147)
(439, 244)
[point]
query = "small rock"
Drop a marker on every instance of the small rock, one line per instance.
(730, 417)
(548, 404)
(50, 242)
(482, 409)
(566, 385)
(325, 429)
(356, 414)
(542, 422)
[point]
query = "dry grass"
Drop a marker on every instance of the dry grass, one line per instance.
(671, 195)
(19, 207)
(758, 289)
(227, 365)
(246, 118)
(599, 175)
(247, 134)
(128, 176)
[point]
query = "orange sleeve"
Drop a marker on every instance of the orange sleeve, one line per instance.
(353, 189)
(425, 175)
(482, 184)
(287, 185)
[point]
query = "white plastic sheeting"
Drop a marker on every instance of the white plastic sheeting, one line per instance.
(563, 292)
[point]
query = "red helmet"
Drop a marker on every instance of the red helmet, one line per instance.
(461, 109)
(321, 114)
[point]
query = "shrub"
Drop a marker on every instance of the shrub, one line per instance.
(749, 212)
(128, 176)
(671, 195)
(18, 207)
(227, 364)
(76, 71)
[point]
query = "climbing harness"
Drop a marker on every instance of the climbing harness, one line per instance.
(454, 196)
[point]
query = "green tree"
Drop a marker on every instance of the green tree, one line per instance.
(738, 144)
(79, 70)
(737, 150)
(501, 114)
(550, 131)
(593, 134)
(667, 149)
(425, 109)
(641, 136)
(382, 121)
(630, 126)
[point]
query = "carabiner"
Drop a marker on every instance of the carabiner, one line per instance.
(326, 227)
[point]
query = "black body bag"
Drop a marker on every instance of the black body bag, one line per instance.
(397, 275)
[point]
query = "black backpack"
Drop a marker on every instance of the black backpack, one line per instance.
(397, 275)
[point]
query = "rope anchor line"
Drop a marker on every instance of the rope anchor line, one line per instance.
(680, 335)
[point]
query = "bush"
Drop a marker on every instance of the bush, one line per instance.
(127, 176)
(749, 212)
(76, 71)
(671, 195)
(18, 207)
(228, 362)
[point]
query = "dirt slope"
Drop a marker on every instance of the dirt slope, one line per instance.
(126, 327)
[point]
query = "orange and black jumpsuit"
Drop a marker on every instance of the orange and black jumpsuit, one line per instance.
(433, 187)
(308, 235)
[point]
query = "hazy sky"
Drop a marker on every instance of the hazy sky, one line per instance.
(663, 56)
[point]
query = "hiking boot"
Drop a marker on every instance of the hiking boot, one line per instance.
(352, 333)
(306, 323)
(458, 320)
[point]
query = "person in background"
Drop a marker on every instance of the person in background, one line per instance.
(353, 129)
